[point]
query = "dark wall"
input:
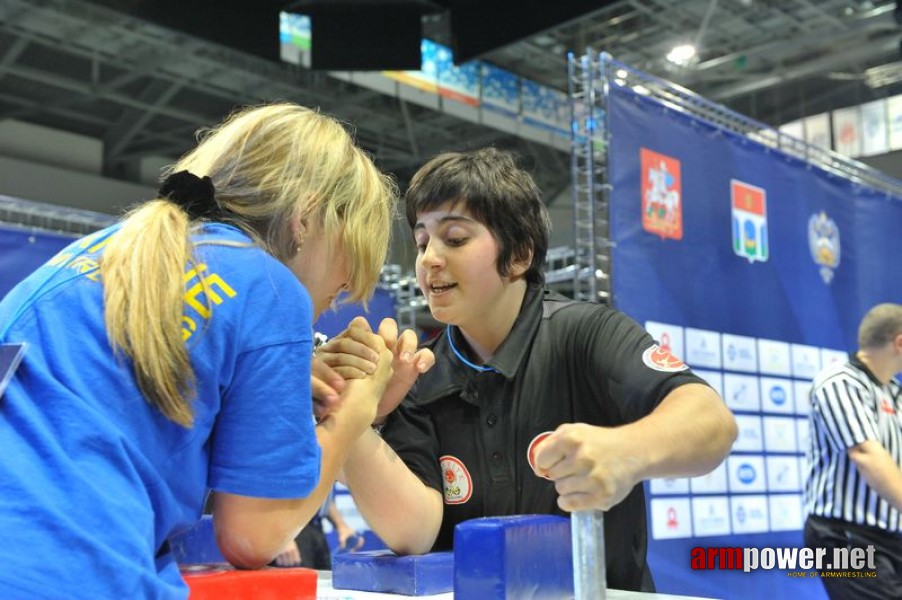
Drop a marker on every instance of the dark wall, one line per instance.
(889, 163)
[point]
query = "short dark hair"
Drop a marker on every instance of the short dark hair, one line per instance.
(880, 325)
(497, 193)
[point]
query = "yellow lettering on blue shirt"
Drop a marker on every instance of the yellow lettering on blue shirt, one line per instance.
(80, 262)
(211, 287)
(88, 240)
(83, 264)
(189, 326)
(60, 259)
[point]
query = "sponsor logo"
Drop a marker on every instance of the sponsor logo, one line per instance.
(778, 395)
(660, 359)
(823, 242)
(782, 474)
(749, 221)
(711, 516)
(740, 353)
(456, 480)
(703, 348)
(746, 473)
(848, 134)
(531, 452)
(662, 195)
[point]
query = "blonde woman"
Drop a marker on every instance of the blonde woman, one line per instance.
(172, 353)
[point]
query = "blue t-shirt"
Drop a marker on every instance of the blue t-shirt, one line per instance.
(93, 479)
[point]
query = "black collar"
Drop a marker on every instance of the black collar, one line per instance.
(510, 354)
(858, 364)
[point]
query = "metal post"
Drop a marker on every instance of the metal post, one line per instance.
(589, 576)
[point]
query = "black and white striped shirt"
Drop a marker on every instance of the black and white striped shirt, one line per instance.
(849, 406)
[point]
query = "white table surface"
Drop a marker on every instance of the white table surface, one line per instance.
(325, 591)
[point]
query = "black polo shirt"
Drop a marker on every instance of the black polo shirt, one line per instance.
(467, 432)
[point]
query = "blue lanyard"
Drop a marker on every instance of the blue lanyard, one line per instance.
(480, 368)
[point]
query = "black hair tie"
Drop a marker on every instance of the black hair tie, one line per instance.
(195, 195)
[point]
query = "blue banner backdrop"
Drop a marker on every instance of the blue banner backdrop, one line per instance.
(741, 256)
(23, 250)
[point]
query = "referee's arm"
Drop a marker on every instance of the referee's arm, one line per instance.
(880, 470)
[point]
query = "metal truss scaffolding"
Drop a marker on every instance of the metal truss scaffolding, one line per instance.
(406, 293)
(590, 190)
(591, 76)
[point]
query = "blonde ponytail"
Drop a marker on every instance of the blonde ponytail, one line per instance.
(142, 270)
(268, 166)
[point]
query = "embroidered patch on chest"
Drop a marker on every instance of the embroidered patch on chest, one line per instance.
(660, 359)
(456, 480)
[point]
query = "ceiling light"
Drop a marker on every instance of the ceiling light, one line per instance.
(682, 55)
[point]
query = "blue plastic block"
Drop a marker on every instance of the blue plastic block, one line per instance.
(197, 544)
(384, 571)
(522, 557)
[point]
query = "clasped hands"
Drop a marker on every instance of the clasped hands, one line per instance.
(355, 354)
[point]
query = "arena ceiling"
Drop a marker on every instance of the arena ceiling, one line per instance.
(144, 88)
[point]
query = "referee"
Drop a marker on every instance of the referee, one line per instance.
(853, 488)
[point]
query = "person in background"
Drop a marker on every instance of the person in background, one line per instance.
(311, 549)
(853, 485)
(172, 352)
(536, 403)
